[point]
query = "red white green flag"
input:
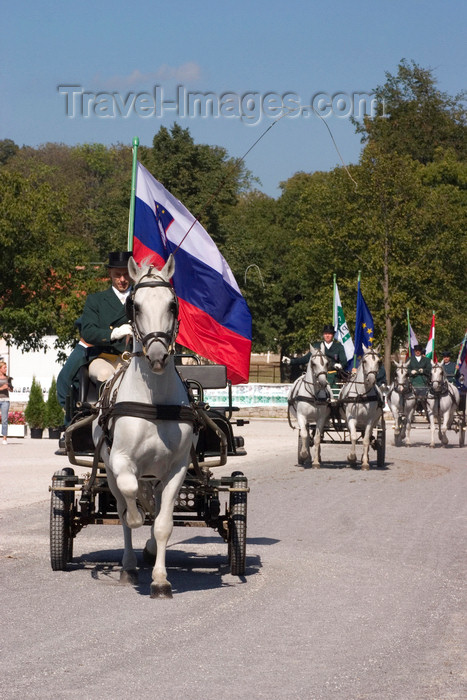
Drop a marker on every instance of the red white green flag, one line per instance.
(430, 346)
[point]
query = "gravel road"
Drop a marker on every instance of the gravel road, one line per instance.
(355, 586)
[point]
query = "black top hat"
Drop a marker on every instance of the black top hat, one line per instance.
(328, 328)
(446, 353)
(417, 347)
(119, 258)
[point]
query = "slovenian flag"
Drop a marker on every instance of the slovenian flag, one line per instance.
(215, 321)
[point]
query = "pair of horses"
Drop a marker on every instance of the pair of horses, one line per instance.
(359, 403)
(440, 403)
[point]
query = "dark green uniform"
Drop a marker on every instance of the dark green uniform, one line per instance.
(450, 369)
(103, 311)
(420, 371)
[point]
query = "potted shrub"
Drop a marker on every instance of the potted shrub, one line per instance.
(16, 424)
(35, 410)
(54, 413)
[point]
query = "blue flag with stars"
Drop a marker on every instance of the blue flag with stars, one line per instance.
(364, 328)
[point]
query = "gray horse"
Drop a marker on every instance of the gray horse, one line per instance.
(441, 403)
(362, 403)
(309, 402)
(402, 401)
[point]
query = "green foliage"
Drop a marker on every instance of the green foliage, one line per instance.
(54, 413)
(414, 118)
(35, 408)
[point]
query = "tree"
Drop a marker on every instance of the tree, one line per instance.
(414, 118)
(35, 408)
(54, 414)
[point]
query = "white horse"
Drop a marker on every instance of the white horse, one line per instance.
(309, 402)
(150, 427)
(441, 402)
(362, 403)
(402, 401)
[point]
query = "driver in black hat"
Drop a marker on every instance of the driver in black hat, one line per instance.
(449, 367)
(334, 351)
(103, 313)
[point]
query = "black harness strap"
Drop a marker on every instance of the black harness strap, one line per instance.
(150, 412)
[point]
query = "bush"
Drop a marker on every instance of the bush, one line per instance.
(35, 409)
(54, 413)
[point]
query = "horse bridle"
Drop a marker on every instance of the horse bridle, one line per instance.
(167, 339)
(318, 374)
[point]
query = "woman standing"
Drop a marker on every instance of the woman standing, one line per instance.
(5, 387)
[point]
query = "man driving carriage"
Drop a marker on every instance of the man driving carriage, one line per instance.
(103, 312)
(334, 351)
(420, 373)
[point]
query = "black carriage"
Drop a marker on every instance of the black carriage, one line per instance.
(203, 501)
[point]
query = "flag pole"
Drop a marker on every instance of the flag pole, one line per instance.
(356, 336)
(434, 335)
(334, 303)
(409, 349)
(131, 218)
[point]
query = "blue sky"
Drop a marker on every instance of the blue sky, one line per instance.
(126, 49)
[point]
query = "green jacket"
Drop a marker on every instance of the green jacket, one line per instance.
(422, 369)
(335, 354)
(103, 311)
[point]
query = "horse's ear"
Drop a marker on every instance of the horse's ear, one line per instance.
(364, 348)
(169, 267)
(133, 269)
(406, 364)
(377, 349)
(323, 349)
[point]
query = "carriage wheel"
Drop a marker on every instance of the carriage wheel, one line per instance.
(381, 444)
(462, 431)
(237, 525)
(61, 518)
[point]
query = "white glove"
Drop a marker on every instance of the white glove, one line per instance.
(286, 360)
(420, 371)
(414, 371)
(120, 332)
(338, 365)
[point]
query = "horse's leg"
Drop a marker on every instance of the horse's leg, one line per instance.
(163, 526)
(304, 452)
(394, 407)
(150, 548)
(443, 426)
(128, 573)
(352, 425)
(366, 446)
(127, 484)
(316, 462)
(408, 424)
(430, 414)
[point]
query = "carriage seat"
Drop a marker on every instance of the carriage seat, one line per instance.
(87, 390)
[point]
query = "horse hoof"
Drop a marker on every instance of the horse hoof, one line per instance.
(315, 466)
(352, 459)
(161, 590)
(148, 558)
(129, 577)
(365, 467)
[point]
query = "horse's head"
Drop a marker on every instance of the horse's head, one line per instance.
(438, 377)
(401, 377)
(152, 309)
(370, 364)
(318, 366)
